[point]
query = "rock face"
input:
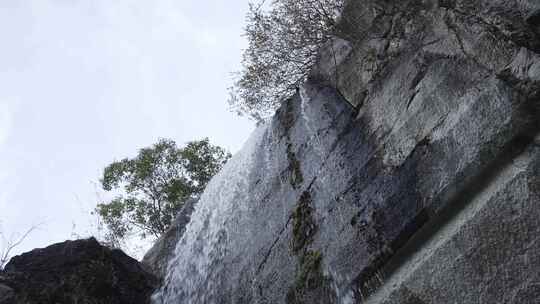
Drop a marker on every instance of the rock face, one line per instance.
(157, 258)
(425, 190)
(80, 271)
(487, 252)
(6, 294)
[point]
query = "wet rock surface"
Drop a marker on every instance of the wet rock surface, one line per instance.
(79, 271)
(445, 95)
(487, 251)
(405, 170)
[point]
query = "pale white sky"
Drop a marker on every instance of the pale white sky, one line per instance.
(85, 82)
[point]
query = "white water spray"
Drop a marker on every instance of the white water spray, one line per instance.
(191, 273)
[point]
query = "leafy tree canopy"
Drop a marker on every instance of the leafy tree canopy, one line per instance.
(154, 185)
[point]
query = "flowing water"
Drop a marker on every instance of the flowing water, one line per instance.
(191, 275)
(245, 210)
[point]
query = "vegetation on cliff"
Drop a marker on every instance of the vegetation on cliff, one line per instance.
(283, 43)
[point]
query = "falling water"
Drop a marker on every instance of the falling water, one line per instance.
(250, 202)
(191, 275)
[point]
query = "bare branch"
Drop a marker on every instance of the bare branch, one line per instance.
(9, 244)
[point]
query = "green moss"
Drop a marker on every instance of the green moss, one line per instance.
(310, 275)
(287, 118)
(296, 176)
(304, 227)
(286, 115)
(309, 285)
(371, 55)
(309, 278)
(354, 220)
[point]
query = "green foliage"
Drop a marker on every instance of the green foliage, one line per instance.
(154, 185)
(283, 43)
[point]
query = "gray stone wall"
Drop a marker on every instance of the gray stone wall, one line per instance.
(485, 249)
(408, 173)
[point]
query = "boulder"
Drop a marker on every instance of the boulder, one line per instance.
(6, 294)
(81, 271)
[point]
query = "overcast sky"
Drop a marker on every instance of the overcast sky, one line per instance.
(86, 82)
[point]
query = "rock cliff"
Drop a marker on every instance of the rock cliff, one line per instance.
(406, 170)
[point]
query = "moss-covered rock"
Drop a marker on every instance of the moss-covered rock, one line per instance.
(296, 178)
(304, 227)
(310, 285)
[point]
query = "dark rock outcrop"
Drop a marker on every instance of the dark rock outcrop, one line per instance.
(6, 294)
(79, 271)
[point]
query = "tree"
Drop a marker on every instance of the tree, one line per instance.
(155, 184)
(8, 244)
(283, 43)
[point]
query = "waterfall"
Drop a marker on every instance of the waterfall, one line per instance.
(192, 272)
(241, 230)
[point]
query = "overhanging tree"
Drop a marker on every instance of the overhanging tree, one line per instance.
(154, 185)
(283, 42)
